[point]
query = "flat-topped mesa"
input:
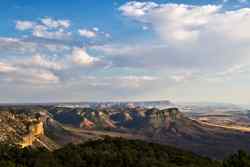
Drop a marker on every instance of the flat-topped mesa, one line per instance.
(172, 113)
(163, 118)
(35, 130)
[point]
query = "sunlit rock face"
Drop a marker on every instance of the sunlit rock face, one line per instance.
(20, 128)
(35, 130)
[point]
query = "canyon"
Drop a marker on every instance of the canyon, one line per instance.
(53, 126)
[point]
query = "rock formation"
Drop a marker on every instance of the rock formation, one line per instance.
(35, 130)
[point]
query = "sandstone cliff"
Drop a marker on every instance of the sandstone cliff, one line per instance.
(35, 130)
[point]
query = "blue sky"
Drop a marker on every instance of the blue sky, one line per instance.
(181, 50)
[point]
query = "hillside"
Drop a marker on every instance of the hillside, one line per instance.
(105, 153)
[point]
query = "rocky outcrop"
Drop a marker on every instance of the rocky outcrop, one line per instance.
(19, 127)
(163, 118)
(86, 124)
(117, 118)
(37, 128)
(35, 131)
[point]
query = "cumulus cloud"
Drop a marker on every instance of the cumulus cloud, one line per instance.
(40, 61)
(43, 77)
(44, 59)
(81, 57)
(25, 47)
(176, 22)
(15, 45)
(22, 62)
(87, 33)
(51, 23)
(24, 25)
(44, 32)
(34, 76)
(37, 71)
(11, 72)
(197, 36)
(93, 33)
(179, 22)
(96, 29)
(46, 28)
(137, 9)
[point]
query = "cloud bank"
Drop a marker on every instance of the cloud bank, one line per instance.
(182, 45)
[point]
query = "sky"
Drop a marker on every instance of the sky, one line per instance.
(89, 50)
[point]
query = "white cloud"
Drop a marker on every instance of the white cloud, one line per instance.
(235, 70)
(81, 57)
(33, 77)
(176, 22)
(5, 39)
(51, 23)
(197, 36)
(44, 32)
(180, 77)
(14, 73)
(87, 33)
(42, 77)
(117, 49)
(5, 68)
(38, 77)
(96, 29)
(179, 22)
(117, 82)
(39, 60)
(46, 28)
(137, 9)
(27, 65)
(22, 46)
(92, 33)
(15, 45)
(47, 23)
(24, 25)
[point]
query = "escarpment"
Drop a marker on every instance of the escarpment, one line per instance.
(52, 127)
(20, 129)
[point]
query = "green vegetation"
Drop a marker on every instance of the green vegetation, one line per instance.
(241, 159)
(113, 153)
